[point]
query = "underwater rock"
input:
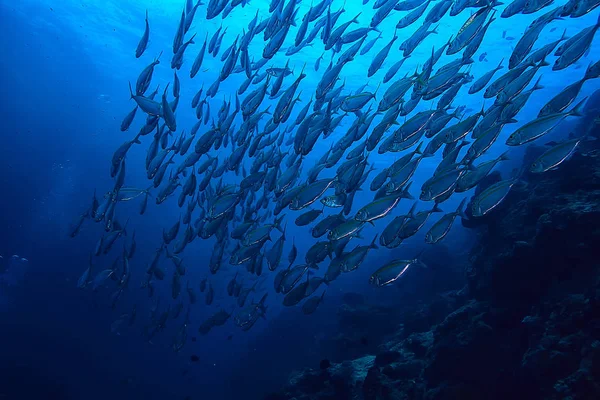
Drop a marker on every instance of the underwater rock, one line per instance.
(339, 381)
(387, 357)
(324, 364)
(527, 322)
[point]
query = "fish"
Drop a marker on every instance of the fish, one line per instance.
(367, 47)
(581, 8)
(308, 217)
(145, 78)
(513, 8)
(393, 271)
(393, 70)
(310, 305)
(473, 176)
(441, 184)
(130, 193)
(147, 105)
(177, 60)
(128, 119)
(248, 316)
(352, 260)
(345, 229)
(542, 125)
(413, 16)
(441, 228)
(356, 102)
(100, 278)
(491, 197)
(76, 227)
(119, 155)
(482, 82)
(244, 293)
(143, 43)
(167, 112)
(291, 278)
(336, 34)
(524, 45)
(574, 51)
(555, 156)
(274, 255)
(379, 59)
(85, 278)
(310, 146)
(399, 179)
(380, 208)
(189, 15)
(318, 252)
(566, 96)
(382, 12)
(310, 193)
(199, 59)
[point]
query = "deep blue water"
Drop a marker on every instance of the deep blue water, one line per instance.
(64, 75)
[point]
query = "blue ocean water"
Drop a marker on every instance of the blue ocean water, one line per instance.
(65, 72)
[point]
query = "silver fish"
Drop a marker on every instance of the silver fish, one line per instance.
(393, 271)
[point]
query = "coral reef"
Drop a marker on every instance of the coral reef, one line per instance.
(527, 322)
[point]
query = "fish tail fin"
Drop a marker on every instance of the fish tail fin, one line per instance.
(411, 212)
(537, 85)
(131, 91)
(375, 94)
(563, 36)
(436, 208)
(418, 260)
(589, 73)
(405, 192)
(355, 19)
(278, 223)
(125, 227)
(418, 149)
(500, 64)
(577, 111)
(261, 303)
(504, 156)
(482, 112)
(373, 245)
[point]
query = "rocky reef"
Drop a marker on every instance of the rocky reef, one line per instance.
(526, 325)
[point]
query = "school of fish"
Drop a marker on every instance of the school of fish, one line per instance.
(241, 173)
